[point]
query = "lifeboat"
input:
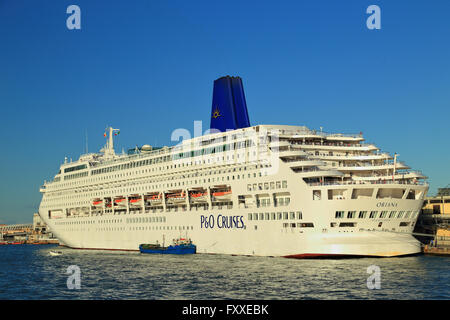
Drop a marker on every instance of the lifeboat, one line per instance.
(176, 197)
(198, 196)
(222, 195)
(135, 201)
(154, 199)
(97, 202)
(121, 202)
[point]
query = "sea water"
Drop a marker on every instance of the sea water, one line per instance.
(30, 272)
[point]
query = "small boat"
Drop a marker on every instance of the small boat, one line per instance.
(222, 195)
(136, 201)
(176, 197)
(180, 246)
(97, 202)
(153, 199)
(120, 202)
(55, 253)
(198, 196)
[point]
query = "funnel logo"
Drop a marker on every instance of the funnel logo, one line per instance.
(216, 113)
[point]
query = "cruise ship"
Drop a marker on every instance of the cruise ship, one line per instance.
(261, 190)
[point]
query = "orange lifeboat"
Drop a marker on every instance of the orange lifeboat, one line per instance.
(176, 197)
(97, 202)
(121, 202)
(222, 194)
(198, 196)
(135, 201)
(154, 198)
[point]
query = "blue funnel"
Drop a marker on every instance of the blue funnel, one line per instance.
(229, 109)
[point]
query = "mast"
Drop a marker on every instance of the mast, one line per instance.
(109, 148)
(395, 165)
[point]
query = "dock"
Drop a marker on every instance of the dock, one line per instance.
(36, 233)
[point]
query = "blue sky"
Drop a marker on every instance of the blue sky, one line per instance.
(147, 67)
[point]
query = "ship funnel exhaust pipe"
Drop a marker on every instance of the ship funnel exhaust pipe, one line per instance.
(229, 108)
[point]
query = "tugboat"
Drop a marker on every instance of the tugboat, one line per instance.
(179, 246)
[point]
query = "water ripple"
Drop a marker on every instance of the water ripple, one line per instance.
(29, 272)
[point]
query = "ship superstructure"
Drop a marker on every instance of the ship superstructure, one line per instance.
(267, 190)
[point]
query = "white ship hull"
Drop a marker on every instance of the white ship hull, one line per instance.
(259, 238)
(290, 245)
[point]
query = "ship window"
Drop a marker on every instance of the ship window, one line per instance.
(279, 215)
(255, 215)
(292, 215)
(249, 216)
(383, 214)
(273, 216)
(317, 194)
(299, 215)
(339, 214)
(347, 224)
(306, 225)
(261, 216)
(280, 202)
(380, 224)
(351, 214)
(411, 194)
(392, 214)
(267, 216)
(373, 214)
(284, 184)
(362, 214)
(285, 215)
